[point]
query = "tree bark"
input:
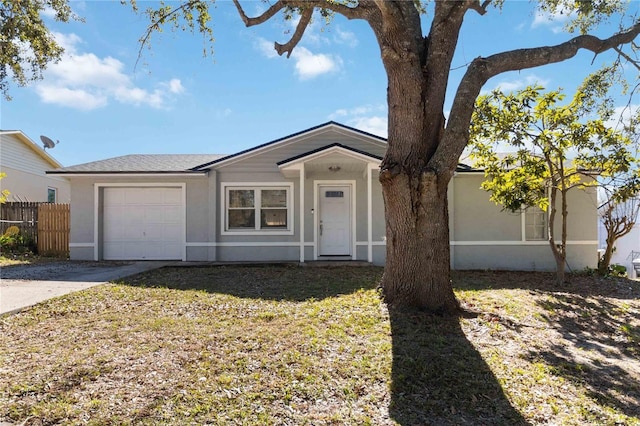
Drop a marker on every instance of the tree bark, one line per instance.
(417, 272)
(559, 253)
(603, 264)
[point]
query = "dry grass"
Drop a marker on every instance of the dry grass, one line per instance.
(291, 345)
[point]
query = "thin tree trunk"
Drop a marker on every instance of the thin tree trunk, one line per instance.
(557, 253)
(603, 264)
(417, 272)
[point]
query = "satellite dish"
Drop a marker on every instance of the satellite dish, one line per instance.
(48, 143)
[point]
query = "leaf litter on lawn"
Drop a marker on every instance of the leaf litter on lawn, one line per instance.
(293, 345)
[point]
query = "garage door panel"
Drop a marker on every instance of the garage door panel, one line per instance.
(143, 223)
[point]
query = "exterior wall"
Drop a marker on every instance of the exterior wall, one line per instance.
(485, 237)
(82, 238)
(482, 235)
(28, 186)
(26, 179)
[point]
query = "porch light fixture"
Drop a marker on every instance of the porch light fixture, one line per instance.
(334, 168)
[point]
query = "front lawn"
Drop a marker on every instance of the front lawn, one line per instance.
(301, 345)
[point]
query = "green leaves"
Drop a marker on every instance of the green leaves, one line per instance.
(548, 145)
(192, 16)
(26, 44)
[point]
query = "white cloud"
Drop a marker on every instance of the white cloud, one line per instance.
(555, 21)
(48, 12)
(85, 81)
(309, 65)
(266, 48)
(68, 42)
(73, 98)
(376, 125)
(521, 83)
(175, 86)
(622, 115)
(369, 118)
(345, 37)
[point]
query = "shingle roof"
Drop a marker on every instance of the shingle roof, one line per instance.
(144, 163)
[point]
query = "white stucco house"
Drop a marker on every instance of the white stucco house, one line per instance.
(25, 164)
(312, 195)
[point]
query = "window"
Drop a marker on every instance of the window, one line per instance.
(535, 224)
(265, 209)
(52, 195)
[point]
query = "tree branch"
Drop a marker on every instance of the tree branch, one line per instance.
(480, 8)
(307, 7)
(627, 57)
(156, 24)
(249, 22)
(482, 69)
(305, 18)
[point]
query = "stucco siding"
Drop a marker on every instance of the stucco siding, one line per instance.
(522, 257)
(476, 217)
(81, 253)
(258, 254)
(83, 209)
(582, 219)
(82, 212)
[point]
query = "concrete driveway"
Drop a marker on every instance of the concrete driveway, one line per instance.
(23, 286)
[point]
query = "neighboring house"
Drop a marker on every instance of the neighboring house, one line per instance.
(25, 164)
(627, 247)
(309, 196)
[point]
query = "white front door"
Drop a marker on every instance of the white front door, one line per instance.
(334, 225)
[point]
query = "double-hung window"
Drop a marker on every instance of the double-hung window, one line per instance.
(535, 224)
(266, 209)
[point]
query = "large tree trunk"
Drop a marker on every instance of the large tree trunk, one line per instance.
(417, 272)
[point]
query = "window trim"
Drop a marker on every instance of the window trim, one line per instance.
(55, 194)
(524, 225)
(255, 186)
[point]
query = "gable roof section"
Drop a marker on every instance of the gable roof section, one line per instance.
(330, 125)
(26, 140)
(142, 164)
(335, 147)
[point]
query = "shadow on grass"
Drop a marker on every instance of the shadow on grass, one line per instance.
(603, 339)
(440, 379)
(267, 282)
(577, 283)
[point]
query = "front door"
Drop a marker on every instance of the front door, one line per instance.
(334, 226)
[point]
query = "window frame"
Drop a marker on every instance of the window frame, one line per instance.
(55, 194)
(528, 214)
(257, 187)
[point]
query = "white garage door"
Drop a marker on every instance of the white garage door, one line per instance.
(142, 224)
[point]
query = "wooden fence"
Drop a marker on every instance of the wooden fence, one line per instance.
(53, 229)
(24, 215)
(46, 224)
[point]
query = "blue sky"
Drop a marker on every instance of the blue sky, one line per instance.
(99, 104)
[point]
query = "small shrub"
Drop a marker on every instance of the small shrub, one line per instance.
(616, 270)
(12, 241)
